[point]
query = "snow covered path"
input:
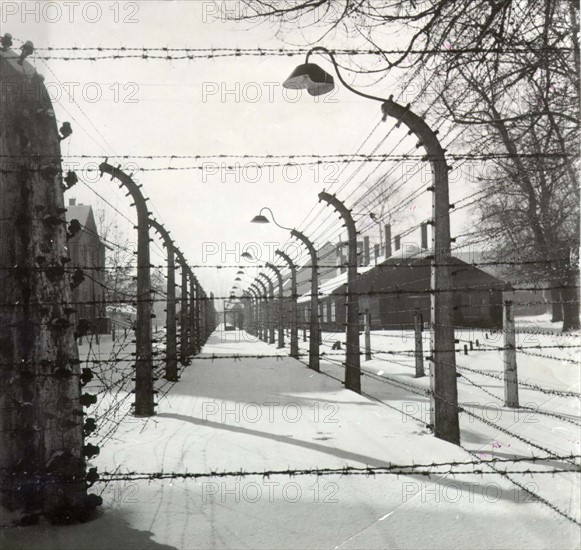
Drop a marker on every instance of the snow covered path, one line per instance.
(260, 414)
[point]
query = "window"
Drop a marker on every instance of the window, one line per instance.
(333, 312)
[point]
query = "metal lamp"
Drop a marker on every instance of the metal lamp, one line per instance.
(310, 77)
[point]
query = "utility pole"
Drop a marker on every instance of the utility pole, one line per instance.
(42, 454)
(197, 332)
(280, 304)
(265, 311)
(194, 338)
(203, 317)
(352, 358)
(251, 324)
(444, 393)
(144, 404)
(210, 315)
(207, 327)
(247, 313)
(367, 335)
(294, 324)
(314, 323)
(171, 360)
(255, 311)
(271, 338)
(419, 346)
(183, 309)
(510, 371)
(387, 231)
(258, 311)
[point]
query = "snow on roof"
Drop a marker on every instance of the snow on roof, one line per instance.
(408, 253)
(330, 285)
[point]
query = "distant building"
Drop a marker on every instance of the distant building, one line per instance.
(397, 287)
(233, 314)
(328, 266)
(87, 252)
(393, 286)
(526, 302)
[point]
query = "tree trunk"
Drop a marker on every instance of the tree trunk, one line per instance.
(556, 306)
(570, 297)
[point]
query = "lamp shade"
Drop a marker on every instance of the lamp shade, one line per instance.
(259, 219)
(310, 77)
(246, 255)
(238, 279)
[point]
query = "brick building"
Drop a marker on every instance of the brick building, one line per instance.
(87, 252)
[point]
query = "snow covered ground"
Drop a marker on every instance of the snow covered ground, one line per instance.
(258, 411)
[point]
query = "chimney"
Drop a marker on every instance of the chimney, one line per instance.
(340, 259)
(72, 202)
(376, 252)
(366, 258)
(424, 229)
(387, 231)
(397, 242)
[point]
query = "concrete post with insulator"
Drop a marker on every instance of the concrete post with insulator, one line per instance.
(352, 358)
(314, 329)
(42, 428)
(294, 324)
(171, 367)
(144, 403)
(280, 328)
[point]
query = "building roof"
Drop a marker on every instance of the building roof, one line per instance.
(81, 212)
(84, 214)
(331, 285)
(387, 272)
(408, 271)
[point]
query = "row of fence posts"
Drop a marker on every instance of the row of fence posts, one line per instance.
(45, 417)
(444, 395)
(197, 316)
(509, 348)
(443, 377)
(510, 378)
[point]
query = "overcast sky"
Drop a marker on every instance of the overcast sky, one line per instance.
(226, 105)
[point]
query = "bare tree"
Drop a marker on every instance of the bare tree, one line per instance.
(525, 115)
(501, 70)
(379, 202)
(120, 272)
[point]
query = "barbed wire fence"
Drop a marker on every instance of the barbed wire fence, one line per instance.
(108, 377)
